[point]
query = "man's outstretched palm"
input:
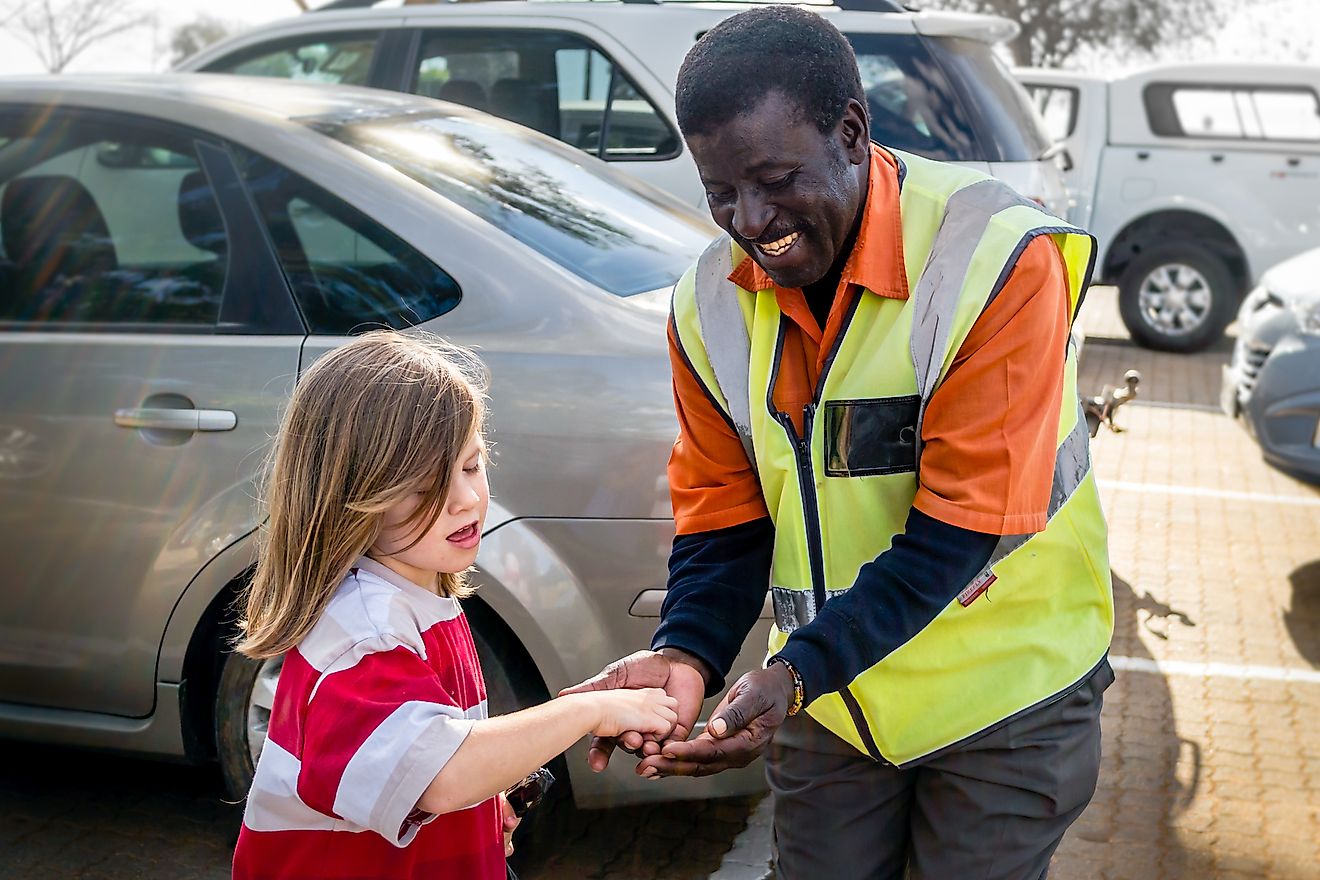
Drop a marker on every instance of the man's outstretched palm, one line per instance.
(681, 680)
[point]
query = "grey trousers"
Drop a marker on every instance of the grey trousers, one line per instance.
(994, 808)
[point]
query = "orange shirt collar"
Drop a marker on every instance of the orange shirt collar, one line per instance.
(876, 262)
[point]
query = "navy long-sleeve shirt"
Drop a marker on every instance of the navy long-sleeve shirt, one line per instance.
(718, 581)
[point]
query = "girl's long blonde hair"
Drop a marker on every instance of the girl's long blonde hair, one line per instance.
(371, 422)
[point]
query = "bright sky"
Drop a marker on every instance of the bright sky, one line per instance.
(1276, 30)
(148, 48)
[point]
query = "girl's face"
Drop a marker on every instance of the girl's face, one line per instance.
(450, 545)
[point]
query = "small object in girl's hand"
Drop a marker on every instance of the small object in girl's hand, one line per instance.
(530, 792)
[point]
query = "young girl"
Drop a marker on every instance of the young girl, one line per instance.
(380, 761)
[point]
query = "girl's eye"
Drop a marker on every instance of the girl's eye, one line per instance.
(474, 469)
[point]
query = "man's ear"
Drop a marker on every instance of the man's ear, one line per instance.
(855, 132)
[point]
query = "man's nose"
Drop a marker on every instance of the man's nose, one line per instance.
(751, 216)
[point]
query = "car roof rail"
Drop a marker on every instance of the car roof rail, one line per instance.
(343, 4)
(872, 6)
(847, 5)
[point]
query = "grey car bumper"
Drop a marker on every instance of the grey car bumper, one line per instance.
(1273, 383)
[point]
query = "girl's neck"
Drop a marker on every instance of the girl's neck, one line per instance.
(427, 580)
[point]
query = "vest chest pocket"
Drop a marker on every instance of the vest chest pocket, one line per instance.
(871, 437)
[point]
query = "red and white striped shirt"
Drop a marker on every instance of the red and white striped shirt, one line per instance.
(370, 706)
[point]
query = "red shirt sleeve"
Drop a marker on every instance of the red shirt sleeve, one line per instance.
(991, 428)
(711, 483)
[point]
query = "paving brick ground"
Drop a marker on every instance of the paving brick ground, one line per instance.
(1216, 560)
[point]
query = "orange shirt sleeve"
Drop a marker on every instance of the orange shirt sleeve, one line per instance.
(711, 483)
(991, 427)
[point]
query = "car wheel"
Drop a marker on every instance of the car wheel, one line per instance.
(1177, 297)
(508, 690)
(243, 702)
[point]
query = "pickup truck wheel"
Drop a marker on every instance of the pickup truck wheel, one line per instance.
(243, 702)
(1177, 297)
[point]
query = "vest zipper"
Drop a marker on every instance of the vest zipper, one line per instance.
(807, 487)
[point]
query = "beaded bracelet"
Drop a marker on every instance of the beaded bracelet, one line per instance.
(798, 693)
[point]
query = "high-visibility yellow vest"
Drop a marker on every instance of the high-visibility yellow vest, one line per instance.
(839, 494)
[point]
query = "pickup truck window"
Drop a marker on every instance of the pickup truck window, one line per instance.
(1057, 105)
(1233, 112)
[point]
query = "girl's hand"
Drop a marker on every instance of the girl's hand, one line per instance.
(645, 710)
(511, 823)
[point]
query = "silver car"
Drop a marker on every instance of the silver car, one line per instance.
(1273, 381)
(175, 250)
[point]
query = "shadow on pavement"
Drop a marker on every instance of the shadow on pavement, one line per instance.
(71, 813)
(1148, 773)
(1303, 615)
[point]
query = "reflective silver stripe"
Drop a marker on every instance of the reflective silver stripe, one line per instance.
(724, 333)
(935, 299)
(1072, 462)
(794, 608)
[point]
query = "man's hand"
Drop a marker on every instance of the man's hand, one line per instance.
(681, 675)
(739, 729)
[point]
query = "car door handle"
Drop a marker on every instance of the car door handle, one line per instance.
(176, 419)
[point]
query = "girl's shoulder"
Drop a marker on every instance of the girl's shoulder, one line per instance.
(369, 611)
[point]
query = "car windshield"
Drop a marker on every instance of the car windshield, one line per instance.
(945, 98)
(1007, 124)
(600, 225)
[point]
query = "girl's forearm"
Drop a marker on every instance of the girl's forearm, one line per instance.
(500, 751)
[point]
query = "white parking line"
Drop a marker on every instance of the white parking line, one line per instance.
(1169, 404)
(1215, 670)
(1197, 492)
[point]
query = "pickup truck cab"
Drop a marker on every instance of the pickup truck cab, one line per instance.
(1194, 178)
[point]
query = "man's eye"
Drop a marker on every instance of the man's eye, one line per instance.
(781, 182)
(719, 196)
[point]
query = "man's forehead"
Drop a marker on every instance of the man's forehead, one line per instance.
(771, 132)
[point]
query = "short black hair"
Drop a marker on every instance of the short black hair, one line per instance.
(741, 60)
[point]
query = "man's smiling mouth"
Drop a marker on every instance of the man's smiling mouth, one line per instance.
(779, 247)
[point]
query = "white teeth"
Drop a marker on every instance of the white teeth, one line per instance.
(775, 248)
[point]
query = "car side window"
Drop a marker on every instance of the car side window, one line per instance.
(1233, 112)
(108, 222)
(343, 58)
(348, 273)
(555, 83)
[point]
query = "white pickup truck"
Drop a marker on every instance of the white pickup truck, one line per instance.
(1195, 179)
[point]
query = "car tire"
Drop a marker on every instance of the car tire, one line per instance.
(238, 721)
(1177, 297)
(510, 687)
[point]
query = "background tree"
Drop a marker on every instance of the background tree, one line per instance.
(188, 39)
(61, 30)
(1054, 31)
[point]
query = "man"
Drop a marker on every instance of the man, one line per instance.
(879, 422)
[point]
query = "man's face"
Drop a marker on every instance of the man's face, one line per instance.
(788, 194)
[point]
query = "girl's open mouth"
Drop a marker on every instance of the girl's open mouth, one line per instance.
(466, 537)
